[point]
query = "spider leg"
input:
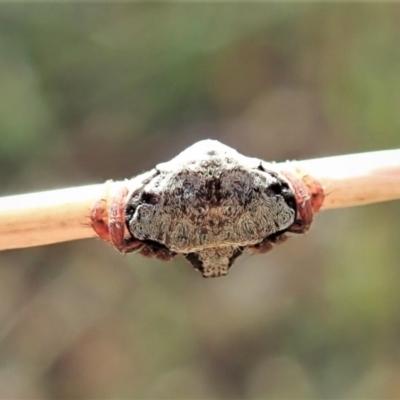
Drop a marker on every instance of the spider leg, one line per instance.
(157, 250)
(268, 244)
(109, 223)
(116, 223)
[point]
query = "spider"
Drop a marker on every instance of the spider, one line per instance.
(209, 204)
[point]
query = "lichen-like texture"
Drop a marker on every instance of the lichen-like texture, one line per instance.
(209, 203)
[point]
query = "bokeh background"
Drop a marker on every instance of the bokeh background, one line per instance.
(90, 92)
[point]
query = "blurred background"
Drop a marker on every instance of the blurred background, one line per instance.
(90, 92)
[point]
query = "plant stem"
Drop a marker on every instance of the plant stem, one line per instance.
(62, 215)
(47, 217)
(357, 179)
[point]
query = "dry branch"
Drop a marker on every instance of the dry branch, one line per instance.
(62, 215)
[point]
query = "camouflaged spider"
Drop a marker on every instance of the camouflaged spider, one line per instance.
(209, 203)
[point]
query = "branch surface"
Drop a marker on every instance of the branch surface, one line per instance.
(63, 215)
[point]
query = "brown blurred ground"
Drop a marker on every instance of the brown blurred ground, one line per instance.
(98, 91)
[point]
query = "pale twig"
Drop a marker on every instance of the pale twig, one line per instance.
(62, 215)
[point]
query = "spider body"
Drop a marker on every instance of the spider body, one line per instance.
(209, 204)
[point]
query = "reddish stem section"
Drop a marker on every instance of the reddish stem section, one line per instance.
(108, 219)
(309, 198)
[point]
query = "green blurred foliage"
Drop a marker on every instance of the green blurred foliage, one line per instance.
(91, 91)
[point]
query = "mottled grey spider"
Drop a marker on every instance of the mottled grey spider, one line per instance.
(209, 204)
